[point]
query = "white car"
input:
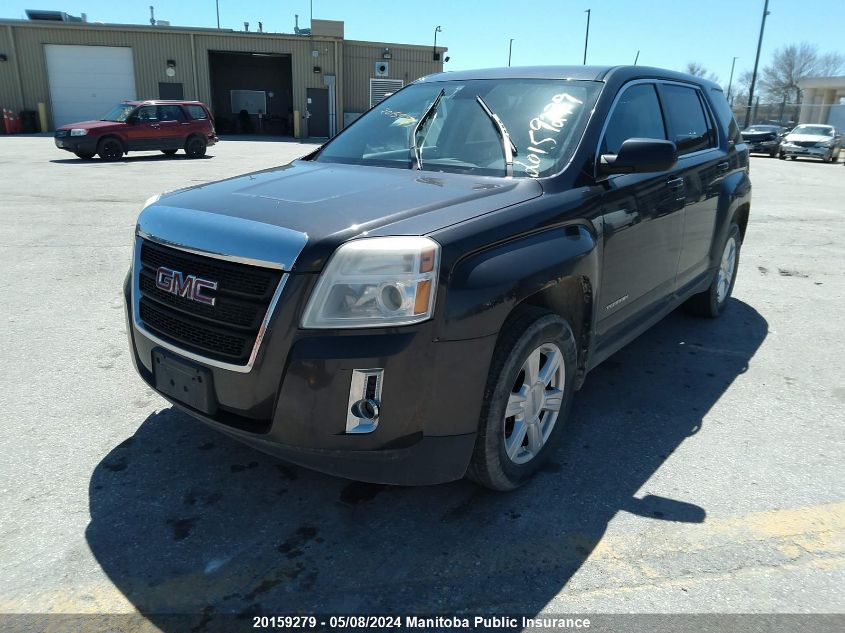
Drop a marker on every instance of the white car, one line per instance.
(818, 141)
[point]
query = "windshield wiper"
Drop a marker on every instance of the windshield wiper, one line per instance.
(416, 153)
(508, 146)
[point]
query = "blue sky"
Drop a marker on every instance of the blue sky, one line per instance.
(667, 33)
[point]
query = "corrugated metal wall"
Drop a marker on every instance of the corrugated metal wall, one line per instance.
(10, 97)
(153, 46)
(407, 63)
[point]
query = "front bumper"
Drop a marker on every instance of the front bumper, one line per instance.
(81, 144)
(796, 150)
(762, 147)
(293, 402)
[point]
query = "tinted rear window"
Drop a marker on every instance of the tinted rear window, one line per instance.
(196, 112)
(688, 121)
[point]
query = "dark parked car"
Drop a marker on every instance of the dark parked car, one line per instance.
(420, 298)
(816, 141)
(141, 126)
(763, 139)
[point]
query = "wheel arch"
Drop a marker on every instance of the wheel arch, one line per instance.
(555, 269)
(116, 137)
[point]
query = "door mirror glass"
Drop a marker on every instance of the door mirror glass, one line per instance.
(640, 155)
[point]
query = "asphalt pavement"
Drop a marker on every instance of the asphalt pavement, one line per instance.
(702, 470)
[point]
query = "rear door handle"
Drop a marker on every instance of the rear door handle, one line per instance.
(723, 167)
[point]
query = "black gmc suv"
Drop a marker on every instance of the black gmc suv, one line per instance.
(420, 298)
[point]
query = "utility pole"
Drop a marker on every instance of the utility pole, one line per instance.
(587, 38)
(731, 80)
(756, 64)
(439, 29)
(217, 4)
(510, 49)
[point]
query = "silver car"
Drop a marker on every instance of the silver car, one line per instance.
(814, 140)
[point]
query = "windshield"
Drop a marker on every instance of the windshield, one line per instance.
(762, 128)
(119, 113)
(813, 130)
(542, 118)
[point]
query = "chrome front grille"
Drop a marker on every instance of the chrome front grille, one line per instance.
(226, 331)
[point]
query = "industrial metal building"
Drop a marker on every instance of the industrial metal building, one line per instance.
(304, 84)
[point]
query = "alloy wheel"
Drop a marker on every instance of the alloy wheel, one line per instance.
(726, 270)
(534, 403)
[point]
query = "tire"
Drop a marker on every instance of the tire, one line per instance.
(195, 147)
(84, 155)
(793, 158)
(169, 152)
(711, 303)
(530, 333)
(110, 149)
(773, 153)
(782, 156)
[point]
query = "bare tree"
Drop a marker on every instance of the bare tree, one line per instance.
(698, 70)
(830, 64)
(740, 87)
(779, 80)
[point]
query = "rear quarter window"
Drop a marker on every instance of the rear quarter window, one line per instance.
(725, 116)
(196, 112)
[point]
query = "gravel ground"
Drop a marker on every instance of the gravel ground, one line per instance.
(702, 470)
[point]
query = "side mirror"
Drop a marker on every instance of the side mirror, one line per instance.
(133, 119)
(639, 156)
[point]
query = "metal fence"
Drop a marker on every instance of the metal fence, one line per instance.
(790, 114)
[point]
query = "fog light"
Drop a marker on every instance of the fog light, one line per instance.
(364, 400)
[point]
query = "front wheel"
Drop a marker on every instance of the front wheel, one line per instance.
(526, 401)
(195, 147)
(712, 301)
(110, 149)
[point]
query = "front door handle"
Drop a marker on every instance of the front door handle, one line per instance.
(722, 167)
(675, 183)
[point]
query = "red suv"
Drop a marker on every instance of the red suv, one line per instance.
(142, 125)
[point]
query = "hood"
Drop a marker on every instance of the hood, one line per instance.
(807, 138)
(757, 135)
(331, 203)
(89, 125)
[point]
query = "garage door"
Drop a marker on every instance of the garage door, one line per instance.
(87, 81)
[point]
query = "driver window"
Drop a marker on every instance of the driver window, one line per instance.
(636, 115)
(147, 114)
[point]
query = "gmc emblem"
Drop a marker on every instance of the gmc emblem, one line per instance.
(188, 286)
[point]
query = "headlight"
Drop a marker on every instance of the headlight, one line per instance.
(376, 282)
(824, 143)
(78, 132)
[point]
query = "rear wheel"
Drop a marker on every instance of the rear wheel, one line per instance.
(84, 155)
(712, 301)
(526, 401)
(195, 147)
(169, 152)
(110, 149)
